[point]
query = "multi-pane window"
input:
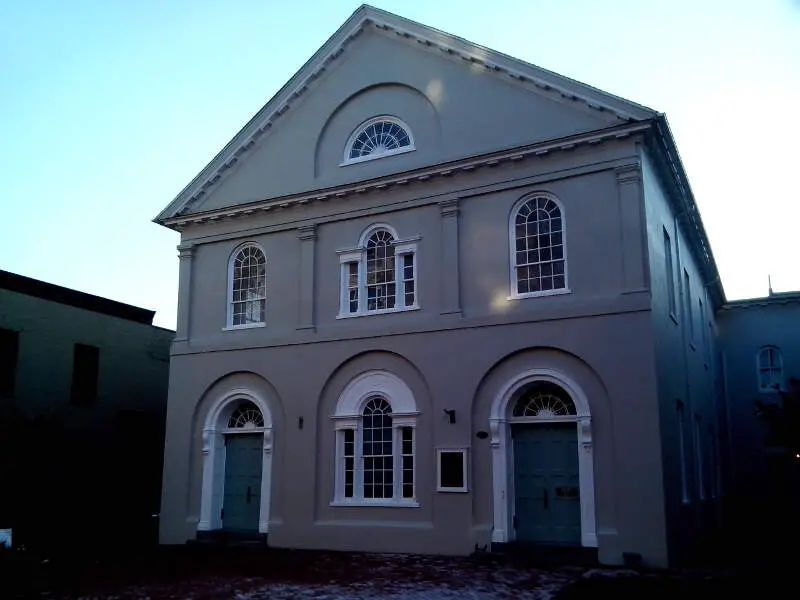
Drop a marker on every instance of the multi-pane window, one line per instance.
(248, 287)
(380, 276)
(377, 457)
(9, 351)
(85, 372)
(687, 309)
(770, 369)
(537, 254)
(377, 449)
(670, 272)
(376, 138)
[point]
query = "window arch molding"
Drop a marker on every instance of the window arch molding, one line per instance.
(380, 274)
(396, 138)
(250, 312)
(545, 266)
(501, 417)
(215, 427)
(769, 368)
(355, 458)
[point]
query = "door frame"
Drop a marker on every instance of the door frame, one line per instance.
(213, 449)
(500, 421)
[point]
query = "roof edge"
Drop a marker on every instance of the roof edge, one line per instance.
(255, 129)
(36, 288)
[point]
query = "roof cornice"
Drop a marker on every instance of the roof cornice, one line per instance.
(687, 208)
(450, 169)
(259, 127)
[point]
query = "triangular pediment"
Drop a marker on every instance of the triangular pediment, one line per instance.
(457, 98)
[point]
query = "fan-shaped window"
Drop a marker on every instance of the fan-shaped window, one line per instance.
(378, 137)
(544, 400)
(770, 369)
(538, 254)
(246, 416)
(248, 287)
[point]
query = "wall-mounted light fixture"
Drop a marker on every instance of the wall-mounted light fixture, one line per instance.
(450, 412)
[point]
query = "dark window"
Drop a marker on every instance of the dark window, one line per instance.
(451, 469)
(85, 364)
(9, 351)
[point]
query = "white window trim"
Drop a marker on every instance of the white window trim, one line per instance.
(358, 255)
(346, 160)
(349, 413)
(229, 326)
(512, 248)
(464, 465)
(779, 368)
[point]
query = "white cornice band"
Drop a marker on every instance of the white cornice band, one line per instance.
(386, 183)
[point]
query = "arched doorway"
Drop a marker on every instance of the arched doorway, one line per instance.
(237, 465)
(542, 461)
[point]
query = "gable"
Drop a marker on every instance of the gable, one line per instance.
(459, 100)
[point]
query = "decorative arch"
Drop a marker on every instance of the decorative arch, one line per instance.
(375, 420)
(375, 383)
(233, 412)
(500, 418)
(416, 107)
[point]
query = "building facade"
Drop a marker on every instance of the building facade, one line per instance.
(83, 393)
(760, 341)
(441, 301)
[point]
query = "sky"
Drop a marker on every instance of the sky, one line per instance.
(108, 108)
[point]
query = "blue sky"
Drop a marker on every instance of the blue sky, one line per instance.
(109, 107)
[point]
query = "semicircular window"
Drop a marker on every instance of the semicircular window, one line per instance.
(378, 137)
(246, 416)
(544, 400)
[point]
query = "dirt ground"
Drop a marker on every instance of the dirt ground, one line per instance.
(265, 574)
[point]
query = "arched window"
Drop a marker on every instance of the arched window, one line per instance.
(375, 442)
(538, 253)
(376, 138)
(248, 287)
(246, 416)
(770, 369)
(379, 275)
(543, 400)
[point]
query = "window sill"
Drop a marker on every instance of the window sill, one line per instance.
(386, 311)
(539, 294)
(405, 503)
(369, 157)
(246, 326)
(673, 317)
(692, 346)
(453, 490)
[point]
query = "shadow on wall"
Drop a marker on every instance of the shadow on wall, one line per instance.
(71, 486)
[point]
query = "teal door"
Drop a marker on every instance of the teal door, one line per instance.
(242, 500)
(546, 487)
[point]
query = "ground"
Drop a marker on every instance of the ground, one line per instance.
(263, 574)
